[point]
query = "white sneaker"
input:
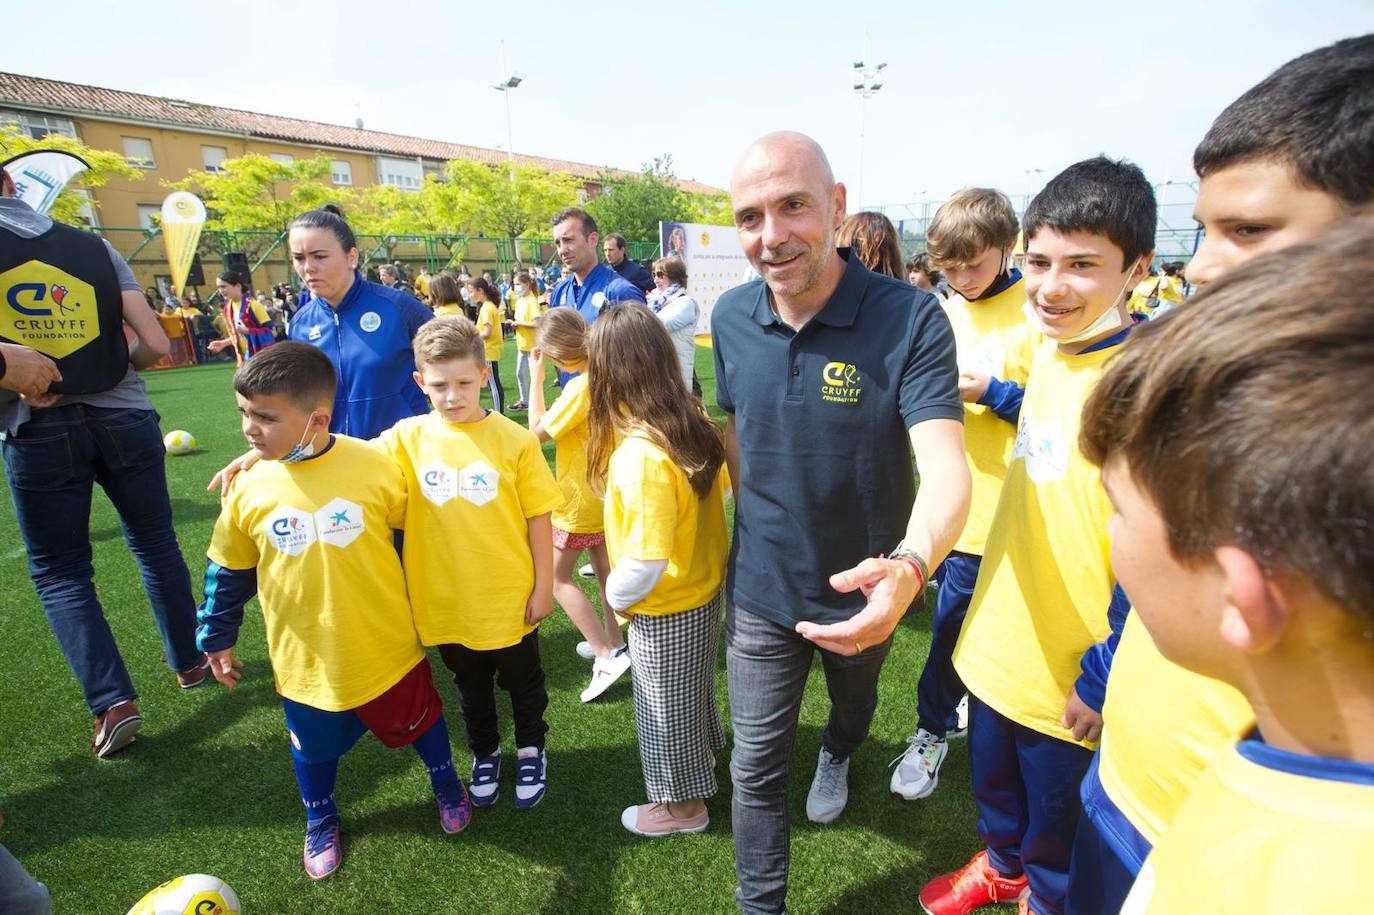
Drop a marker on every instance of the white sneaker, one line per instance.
(829, 789)
(961, 716)
(585, 651)
(587, 571)
(918, 768)
(605, 673)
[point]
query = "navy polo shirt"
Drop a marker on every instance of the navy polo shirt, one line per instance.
(602, 286)
(822, 415)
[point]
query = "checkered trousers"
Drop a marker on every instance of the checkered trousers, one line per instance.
(673, 665)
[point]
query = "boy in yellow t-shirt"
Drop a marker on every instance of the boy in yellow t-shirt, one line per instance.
(478, 553)
(970, 239)
(527, 308)
(1263, 188)
(1238, 467)
(309, 528)
(1045, 584)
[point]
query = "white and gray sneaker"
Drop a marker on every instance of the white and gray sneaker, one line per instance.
(961, 717)
(829, 789)
(918, 768)
(587, 571)
(585, 651)
(605, 673)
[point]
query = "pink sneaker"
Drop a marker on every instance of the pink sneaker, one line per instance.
(323, 848)
(655, 821)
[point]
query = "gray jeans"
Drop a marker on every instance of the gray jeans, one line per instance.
(20, 894)
(767, 666)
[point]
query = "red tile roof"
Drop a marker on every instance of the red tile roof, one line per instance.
(93, 101)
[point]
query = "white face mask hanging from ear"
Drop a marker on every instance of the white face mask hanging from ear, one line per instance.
(1111, 319)
(302, 449)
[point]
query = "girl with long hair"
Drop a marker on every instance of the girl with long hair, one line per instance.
(445, 296)
(659, 459)
(560, 335)
(489, 320)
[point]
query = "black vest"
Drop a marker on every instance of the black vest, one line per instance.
(60, 294)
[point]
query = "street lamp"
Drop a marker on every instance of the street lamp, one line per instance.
(867, 87)
(505, 88)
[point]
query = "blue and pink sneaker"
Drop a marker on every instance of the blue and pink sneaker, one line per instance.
(455, 807)
(323, 847)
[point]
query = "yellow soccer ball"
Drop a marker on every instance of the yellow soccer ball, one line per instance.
(179, 442)
(193, 894)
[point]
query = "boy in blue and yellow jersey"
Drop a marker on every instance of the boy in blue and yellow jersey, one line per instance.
(1238, 466)
(309, 529)
(1041, 601)
(478, 553)
(970, 240)
(1275, 171)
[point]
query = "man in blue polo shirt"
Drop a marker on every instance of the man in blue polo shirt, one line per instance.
(592, 285)
(828, 374)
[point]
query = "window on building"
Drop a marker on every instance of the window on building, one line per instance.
(38, 126)
(341, 171)
(149, 215)
(403, 173)
(213, 157)
(140, 151)
(283, 158)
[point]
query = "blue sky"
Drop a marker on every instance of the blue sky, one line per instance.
(974, 93)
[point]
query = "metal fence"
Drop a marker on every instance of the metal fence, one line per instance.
(269, 260)
(1176, 236)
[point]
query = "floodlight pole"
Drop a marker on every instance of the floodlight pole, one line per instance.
(864, 89)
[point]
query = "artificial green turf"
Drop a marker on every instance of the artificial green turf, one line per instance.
(208, 786)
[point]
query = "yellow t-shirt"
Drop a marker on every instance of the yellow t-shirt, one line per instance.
(1150, 287)
(1046, 577)
(566, 423)
(1163, 727)
(443, 311)
(422, 285)
(490, 316)
(474, 487)
(339, 626)
(652, 512)
(1171, 289)
(1265, 833)
(527, 308)
(991, 336)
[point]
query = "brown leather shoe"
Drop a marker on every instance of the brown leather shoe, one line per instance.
(115, 728)
(190, 679)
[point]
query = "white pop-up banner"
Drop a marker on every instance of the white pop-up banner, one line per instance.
(715, 262)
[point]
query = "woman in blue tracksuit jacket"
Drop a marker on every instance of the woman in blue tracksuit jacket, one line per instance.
(365, 328)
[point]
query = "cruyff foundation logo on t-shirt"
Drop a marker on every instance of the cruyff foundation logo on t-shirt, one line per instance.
(841, 383)
(290, 530)
(438, 482)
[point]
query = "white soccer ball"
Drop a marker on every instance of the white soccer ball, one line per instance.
(193, 894)
(179, 442)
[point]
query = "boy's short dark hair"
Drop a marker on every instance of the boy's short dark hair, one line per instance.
(581, 215)
(1100, 196)
(1314, 114)
(298, 370)
(1258, 439)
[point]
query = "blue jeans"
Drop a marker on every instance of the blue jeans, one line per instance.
(1025, 785)
(52, 464)
(20, 894)
(767, 666)
(939, 690)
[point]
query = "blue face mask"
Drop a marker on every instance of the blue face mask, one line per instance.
(302, 449)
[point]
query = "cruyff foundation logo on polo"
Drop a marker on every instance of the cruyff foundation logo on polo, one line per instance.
(841, 383)
(48, 309)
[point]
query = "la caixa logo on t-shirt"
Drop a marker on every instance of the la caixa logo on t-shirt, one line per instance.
(841, 383)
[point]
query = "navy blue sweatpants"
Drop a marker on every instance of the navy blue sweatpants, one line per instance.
(939, 690)
(1025, 785)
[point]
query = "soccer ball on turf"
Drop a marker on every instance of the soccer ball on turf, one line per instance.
(179, 442)
(193, 894)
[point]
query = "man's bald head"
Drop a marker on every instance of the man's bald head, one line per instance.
(787, 207)
(787, 149)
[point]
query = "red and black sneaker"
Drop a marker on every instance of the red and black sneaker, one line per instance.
(115, 728)
(974, 885)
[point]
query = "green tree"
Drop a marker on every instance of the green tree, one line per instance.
(634, 205)
(708, 209)
(254, 191)
(486, 201)
(104, 165)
